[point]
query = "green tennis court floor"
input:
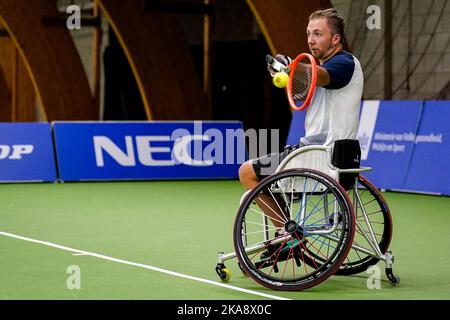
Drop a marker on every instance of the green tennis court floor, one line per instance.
(159, 240)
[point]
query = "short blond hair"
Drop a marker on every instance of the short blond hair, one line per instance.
(334, 18)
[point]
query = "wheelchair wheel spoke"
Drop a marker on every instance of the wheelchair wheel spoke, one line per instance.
(276, 259)
(372, 222)
(278, 218)
(264, 215)
(286, 262)
(309, 255)
(375, 212)
(304, 263)
(269, 228)
(267, 244)
(277, 203)
(318, 251)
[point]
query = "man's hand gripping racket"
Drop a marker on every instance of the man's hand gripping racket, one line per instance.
(300, 77)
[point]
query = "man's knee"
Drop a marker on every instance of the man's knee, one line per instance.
(244, 171)
(247, 175)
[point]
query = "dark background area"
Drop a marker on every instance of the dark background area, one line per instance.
(241, 86)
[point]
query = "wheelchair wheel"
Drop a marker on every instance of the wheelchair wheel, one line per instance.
(381, 222)
(306, 215)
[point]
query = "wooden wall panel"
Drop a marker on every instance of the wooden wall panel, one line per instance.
(7, 50)
(51, 59)
(160, 59)
(6, 70)
(17, 94)
(5, 100)
(284, 23)
(24, 96)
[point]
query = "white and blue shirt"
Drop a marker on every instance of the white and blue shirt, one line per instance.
(334, 110)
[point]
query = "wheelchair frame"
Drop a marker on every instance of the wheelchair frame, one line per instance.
(318, 158)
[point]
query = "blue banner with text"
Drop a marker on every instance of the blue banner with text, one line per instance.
(149, 150)
(388, 145)
(26, 153)
(429, 170)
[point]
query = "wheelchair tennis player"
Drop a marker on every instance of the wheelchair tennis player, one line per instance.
(333, 115)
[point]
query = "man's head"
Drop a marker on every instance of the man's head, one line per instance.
(325, 33)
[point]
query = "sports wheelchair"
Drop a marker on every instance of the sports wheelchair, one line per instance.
(327, 229)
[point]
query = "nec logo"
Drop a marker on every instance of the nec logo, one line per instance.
(15, 152)
(178, 154)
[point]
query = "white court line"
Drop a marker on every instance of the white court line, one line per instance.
(140, 265)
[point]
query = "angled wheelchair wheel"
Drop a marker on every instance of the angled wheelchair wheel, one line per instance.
(369, 205)
(294, 230)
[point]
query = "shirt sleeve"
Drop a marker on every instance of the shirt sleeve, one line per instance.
(340, 68)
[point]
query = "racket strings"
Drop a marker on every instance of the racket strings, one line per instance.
(301, 82)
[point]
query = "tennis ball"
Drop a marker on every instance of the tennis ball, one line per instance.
(280, 79)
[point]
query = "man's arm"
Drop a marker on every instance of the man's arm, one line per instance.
(337, 72)
(323, 77)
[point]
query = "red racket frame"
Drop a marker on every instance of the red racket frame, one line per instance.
(312, 88)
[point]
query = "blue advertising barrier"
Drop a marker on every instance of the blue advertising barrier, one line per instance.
(148, 150)
(386, 135)
(429, 170)
(26, 153)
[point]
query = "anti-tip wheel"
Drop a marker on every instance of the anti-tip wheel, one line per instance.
(394, 280)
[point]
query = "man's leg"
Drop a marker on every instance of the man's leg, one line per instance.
(249, 180)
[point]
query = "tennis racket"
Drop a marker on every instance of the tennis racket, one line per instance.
(302, 81)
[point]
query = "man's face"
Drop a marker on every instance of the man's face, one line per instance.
(320, 38)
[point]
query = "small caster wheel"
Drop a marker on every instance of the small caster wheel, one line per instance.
(223, 273)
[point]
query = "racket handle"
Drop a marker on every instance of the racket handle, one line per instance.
(275, 65)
